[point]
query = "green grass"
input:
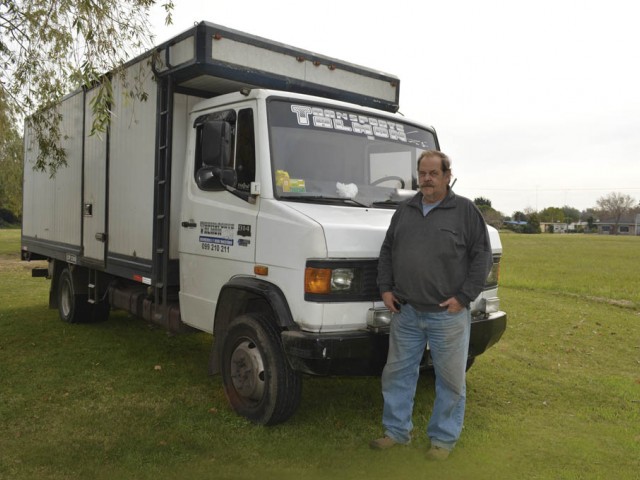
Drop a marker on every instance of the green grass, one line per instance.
(600, 266)
(557, 398)
(10, 241)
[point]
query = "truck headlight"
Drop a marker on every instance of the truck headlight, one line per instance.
(327, 280)
(342, 279)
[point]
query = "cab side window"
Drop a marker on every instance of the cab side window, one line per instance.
(245, 165)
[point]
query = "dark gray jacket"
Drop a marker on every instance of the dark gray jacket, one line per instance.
(427, 260)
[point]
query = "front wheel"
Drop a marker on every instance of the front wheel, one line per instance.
(258, 380)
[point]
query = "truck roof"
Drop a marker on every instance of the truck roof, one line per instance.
(209, 60)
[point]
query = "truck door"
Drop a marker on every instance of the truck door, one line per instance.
(218, 223)
(94, 196)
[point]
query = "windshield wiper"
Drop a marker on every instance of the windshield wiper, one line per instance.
(386, 203)
(306, 198)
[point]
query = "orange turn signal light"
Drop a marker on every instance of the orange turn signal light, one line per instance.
(261, 270)
(317, 280)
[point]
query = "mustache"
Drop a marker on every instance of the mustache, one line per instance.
(426, 184)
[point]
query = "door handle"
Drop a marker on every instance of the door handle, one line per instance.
(189, 224)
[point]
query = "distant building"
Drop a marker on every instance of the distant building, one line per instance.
(554, 227)
(628, 225)
(578, 227)
(516, 223)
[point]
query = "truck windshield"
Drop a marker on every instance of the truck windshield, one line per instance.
(330, 155)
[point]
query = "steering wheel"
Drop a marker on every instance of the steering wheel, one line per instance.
(389, 177)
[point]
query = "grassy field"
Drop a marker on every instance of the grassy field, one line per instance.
(557, 398)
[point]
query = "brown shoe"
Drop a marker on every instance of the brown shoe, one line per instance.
(437, 453)
(382, 443)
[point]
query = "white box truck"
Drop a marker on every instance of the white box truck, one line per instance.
(247, 197)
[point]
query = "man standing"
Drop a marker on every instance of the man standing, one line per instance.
(433, 262)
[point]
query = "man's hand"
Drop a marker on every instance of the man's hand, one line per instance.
(453, 305)
(390, 301)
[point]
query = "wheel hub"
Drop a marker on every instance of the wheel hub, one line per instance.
(65, 299)
(247, 370)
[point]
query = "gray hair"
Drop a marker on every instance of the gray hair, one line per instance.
(446, 161)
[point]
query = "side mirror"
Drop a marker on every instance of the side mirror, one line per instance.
(216, 144)
(215, 179)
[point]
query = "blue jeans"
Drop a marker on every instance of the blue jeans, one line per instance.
(448, 337)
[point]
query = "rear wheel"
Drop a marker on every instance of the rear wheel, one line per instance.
(258, 380)
(72, 308)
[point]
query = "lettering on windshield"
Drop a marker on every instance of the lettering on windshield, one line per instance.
(349, 122)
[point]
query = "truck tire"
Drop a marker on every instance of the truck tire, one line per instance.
(258, 380)
(72, 308)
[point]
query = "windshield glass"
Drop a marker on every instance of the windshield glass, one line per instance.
(328, 155)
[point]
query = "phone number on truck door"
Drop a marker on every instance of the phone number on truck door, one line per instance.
(215, 247)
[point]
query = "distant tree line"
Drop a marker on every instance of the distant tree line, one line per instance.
(611, 207)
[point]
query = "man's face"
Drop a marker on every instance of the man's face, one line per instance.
(433, 181)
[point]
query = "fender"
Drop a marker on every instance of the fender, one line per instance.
(244, 295)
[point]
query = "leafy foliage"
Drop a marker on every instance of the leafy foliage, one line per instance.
(48, 48)
(491, 216)
(524, 222)
(552, 214)
(10, 166)
(480, 201)
(571, 214)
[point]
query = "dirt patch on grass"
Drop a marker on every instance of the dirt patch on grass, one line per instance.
(611, 301)
(607, 301)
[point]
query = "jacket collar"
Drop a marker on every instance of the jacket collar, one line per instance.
(449, 201)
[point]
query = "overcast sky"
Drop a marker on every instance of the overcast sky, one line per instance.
(537, 103)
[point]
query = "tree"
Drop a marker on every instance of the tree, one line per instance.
(10, 165)
(48, 48)
(491, 217)
(481, 201)
(533, 223)
(616, 205)
(571, 214)
(552, 215)
(519, 216)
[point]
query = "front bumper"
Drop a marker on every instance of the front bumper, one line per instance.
(364, 352)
